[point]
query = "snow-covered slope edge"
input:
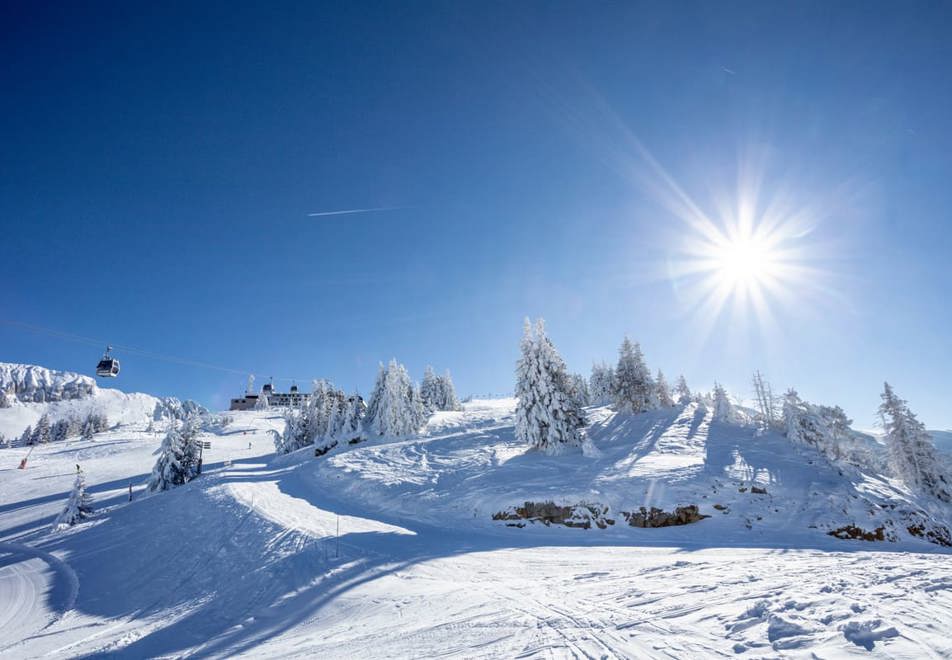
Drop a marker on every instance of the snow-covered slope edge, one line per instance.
(758, 488)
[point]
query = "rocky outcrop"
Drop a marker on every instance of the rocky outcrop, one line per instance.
(858, 533)
(580, 515)
(654, 517)
(32, 384)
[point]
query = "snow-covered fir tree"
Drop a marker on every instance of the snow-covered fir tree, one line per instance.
(723, 408)
(262, 403)
(397, 408)
(4, 399)
(803, 423)
(547, 416)
(580, 391)
(600, 384)
(59, 431)
(26, 437)
(430, 390)
(176, 463)
(632, 388)
(447, 397)
(683, 392)
(78, 506)
(376, 394)
(41, 434)
(663, 393)
(351, 429)
(89, 429)
(912, 455)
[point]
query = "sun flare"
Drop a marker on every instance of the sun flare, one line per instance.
(744, 261)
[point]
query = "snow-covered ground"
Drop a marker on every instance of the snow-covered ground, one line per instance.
(246, 560)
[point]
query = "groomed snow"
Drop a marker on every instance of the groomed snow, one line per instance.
(245, 560)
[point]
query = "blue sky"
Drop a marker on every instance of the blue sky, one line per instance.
(159, 164)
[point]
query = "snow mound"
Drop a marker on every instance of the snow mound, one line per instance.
(749, 486)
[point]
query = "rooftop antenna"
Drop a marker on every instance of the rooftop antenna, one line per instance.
(251, 383)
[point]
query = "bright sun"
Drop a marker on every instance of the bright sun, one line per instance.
(744, 261)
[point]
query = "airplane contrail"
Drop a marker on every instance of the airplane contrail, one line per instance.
(321, 214)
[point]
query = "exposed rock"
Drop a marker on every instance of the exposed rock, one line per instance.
(320, 451)
(854, 532)
(938, 534)
(579, 515)
(654, 517)
(721, 507)
(757, 490)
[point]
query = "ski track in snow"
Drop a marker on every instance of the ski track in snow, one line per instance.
(246, 561)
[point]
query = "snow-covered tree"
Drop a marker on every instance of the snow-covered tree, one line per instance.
(377, 393)
(580, 391)
(351, 427)
(78, 506)
(41, 434)
(430, 390)
(766, 406)
(683, 392)
(803, 423)
(26, 437)
(89, 428)
(4, 399)
(662, 393)
(176, 463)
(262, 402)
(723, 408)
(600, 384)
(912, 455)
(632, 389)
(448, 399)
(547, 415)
(59, 431)
(397, 408)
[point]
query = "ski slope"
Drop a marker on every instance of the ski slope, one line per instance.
(247, 559)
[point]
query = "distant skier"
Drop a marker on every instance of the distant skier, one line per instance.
(77, 468)
(130, 491)
(249, 445)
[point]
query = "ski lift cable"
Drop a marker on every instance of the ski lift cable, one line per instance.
(135, 351)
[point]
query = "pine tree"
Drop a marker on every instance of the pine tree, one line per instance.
(632, 388)
(448, 399)
(430, 390)
(723, 409)
(912, 455)
(59, 431)
(803, 424)
(78, 506)
(174, 466)
(683, 392)
(547, 417)
(398, 410)
(262, 402)
(600, 384)
(26, 438)
(41, 434)
(377, 394)
(351, 428)
(580, 392)
(663, 393)
(4, 399)
(91, 425)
